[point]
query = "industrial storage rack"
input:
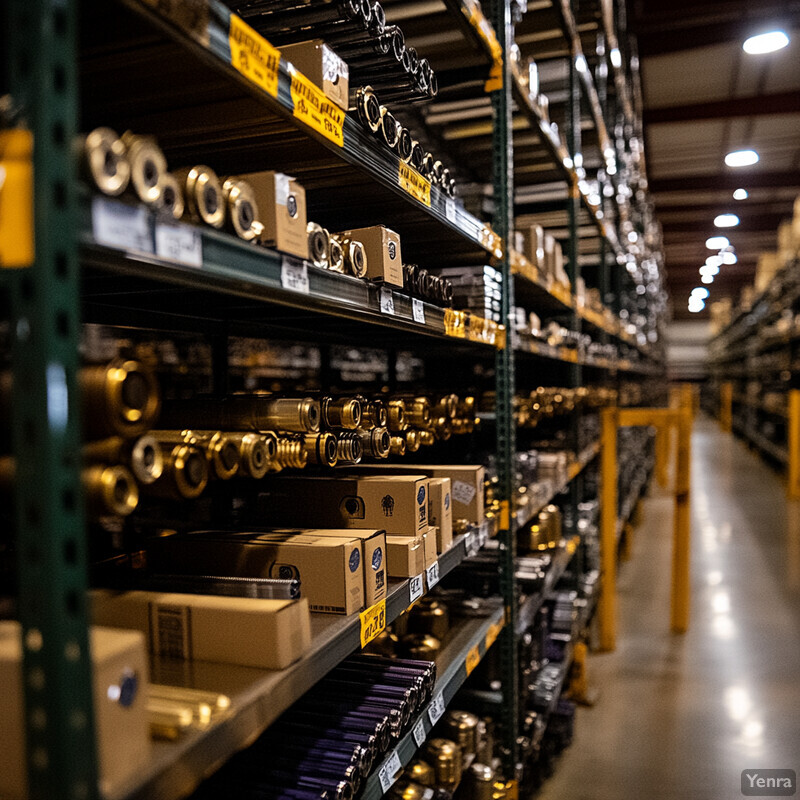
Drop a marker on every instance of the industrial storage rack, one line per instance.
(38, 128)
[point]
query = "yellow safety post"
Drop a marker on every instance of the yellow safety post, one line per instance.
(679, 603)
(793, 488)
(663, 447)
(726, 407)
(607, 607)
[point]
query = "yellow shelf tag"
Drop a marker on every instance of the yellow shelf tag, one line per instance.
(373, 621)
(493, 633)
(254, 56)
(418, 186)
(473, 659)
(16, 198)
(313, 107)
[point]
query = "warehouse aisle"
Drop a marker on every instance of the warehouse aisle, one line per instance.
(682, 717)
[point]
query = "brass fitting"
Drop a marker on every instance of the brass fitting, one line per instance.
(427, 438)
(336, 256)
(396, 415)
(349, 448)
(109, 490)
(105, 161)
(341, 413)
(413, 440)
(185, 473)
(355, 257)
(418, 411)
(148, 167)
(171, 196)
(256, 452)
(397, 446)
(321, 448)
(318, 245)
(369, 108)
(376, 443)
(142, 456)
(373, 413)
(242, 217)
(203, 194)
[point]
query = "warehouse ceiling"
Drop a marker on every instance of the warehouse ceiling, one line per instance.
(704, 97)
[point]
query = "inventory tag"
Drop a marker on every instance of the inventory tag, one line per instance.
(180, 243)
(294, 276)
(390, 771)
(416, 588)
(463, 492)
(313, 107)
(253, 56)
(472, 545)
(419, 732)
(373, 621)
(433, 575)
(483, 534)
(493, 633)
(120, 225)
(473, 659)
(415, 184)
(418, 310)
(450, 210)
(436, 709)
(387, 301)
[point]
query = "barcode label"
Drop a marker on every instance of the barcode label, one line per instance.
(436, 709)
(294, 276)
(390, 771)
(472, 543)
(121, 226)
(419, 733)
(179, 243)
(416, 588)
(418, 310)
(387, 301)
(170, 631)
(433, 575)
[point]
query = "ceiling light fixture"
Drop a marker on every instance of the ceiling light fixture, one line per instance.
(729, 258)
(714, 261)
(726, 221)
(580, 63)
(701, 292)
(709, 269)
(717, 242)
(741, 158)
(707, 279)
(740, 194)
(765, 43)
(616, 57)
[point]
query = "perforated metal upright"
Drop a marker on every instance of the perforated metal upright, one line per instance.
(503, 223)
(39, 43)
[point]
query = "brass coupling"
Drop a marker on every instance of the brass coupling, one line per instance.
(142, 456)
(221, 451)
(396, 415)
(369, 108)
(349, 449)
(109, 490)
(147, 167)
(318, 245)
(185, 473)
(104, 161)
(290, 452)
(376, 443)
(373, 413)
(341, 412)
(172, 204)
(336, 256)
(397, 446)
(413, 440)
(256, 452)
(242, 209)
(203, 195)
(320, 448)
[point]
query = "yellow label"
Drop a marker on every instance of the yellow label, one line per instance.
(254, 56)
(493, 633)
(455, 323)
(16, 198)
(313, 107)
(473, 659)
(418, 186)
(373, 621)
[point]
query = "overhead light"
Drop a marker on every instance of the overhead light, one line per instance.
(741, 158)
(729, 257)
(580, 63)
(726, 221)
(740, 194)
(707, 279)
(765, 43)
(696, 304)
(714, 261)
(707, 269)
(616, 57)
(701, 292)
(717, 242)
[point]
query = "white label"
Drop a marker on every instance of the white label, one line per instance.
(294, 276)
(436, 709)
(433, 575)
(387, 301)
(416, 588)
(179, 243)
(418, 310)
(419, 733)
(450, 210)
(281, 188)
(463, 492)
(333, 67)
(471, 543)
(483, 535)
(122, 226)
(390, 771)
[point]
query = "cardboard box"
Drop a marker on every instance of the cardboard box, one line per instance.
(405, 556)
(269, 634)
(373, 556)
(281, 202)
(440, 512)
(119, 689)
(330, 568)
(396, 503)
(533, 245)
(320, 64)
(429, 547)
(466, 490)
(382, 249)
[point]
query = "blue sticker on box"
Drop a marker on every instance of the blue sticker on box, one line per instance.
(421, 495)
(355, 560)
(377, 558)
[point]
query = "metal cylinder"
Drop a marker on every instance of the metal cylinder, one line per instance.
(408, 789)
(256, 452)
(291, 452)
(376, 442)
(185, 473)
(405, 144)
(342, 412)
(105, 161)
(109, 490)
(120, 398)
(418, 411)
(336, 256)
(142, 456)
(172, 204)
(427, 438)
(373, 413)
(318, 246)
(349, 448)
(462, 728)
(421, 772)
(420, 646)
(148, 166)
(397, 446)
(221, 451)
(369, 109)
(321, 448)
(413, 441)
(355, 257)
(388, 128)
(202, 194)
(242, 209)
(479, 782)
(445, 758)
(427, 166)
(396, 415)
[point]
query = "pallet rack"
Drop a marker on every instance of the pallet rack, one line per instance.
(73, 259)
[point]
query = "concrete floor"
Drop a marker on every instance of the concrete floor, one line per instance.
(681, 717)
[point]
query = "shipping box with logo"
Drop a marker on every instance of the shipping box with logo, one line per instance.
(382, 249)
(281, 202)
(330, 569)
(405, 556)
(320, 64)
(269, 634)
(396, 503)
(440, 512)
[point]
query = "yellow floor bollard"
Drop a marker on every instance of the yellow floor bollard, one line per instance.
(607, 606)
(681, 530)
(726, 407)
(793, 489)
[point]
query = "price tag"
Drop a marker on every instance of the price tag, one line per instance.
(450, 210)
(463, 492)
(436, 709)
(416, 588)
(471, 543)
(122, 226)
(493, 633)
(433, 575)
(390, 771)
(179, 243)
(253, 56)
(418, 310)
(473, 659)
(294, 276)
(312, 107)
(373, 621)
(387, 301)
(483, 534)
(419, 733)
(415, 184)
